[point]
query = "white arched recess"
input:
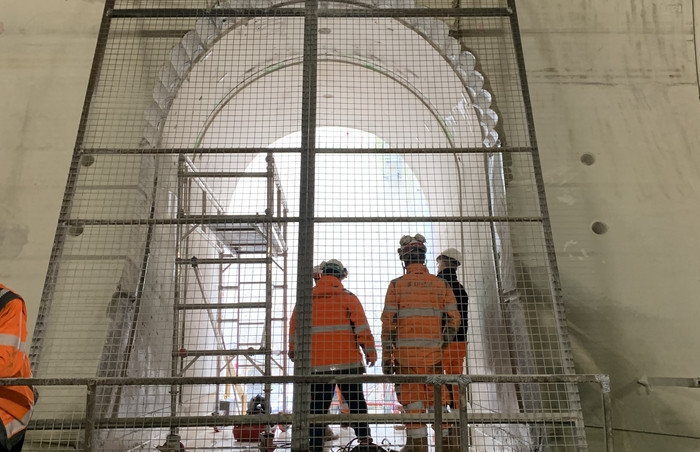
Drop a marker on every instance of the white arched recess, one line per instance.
(223, 71)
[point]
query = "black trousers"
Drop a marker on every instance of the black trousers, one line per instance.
(322, 396)
(13, 444)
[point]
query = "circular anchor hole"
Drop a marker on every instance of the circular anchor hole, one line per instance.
(587, 159)
(75, 230)
(599, 227)
(87, 160)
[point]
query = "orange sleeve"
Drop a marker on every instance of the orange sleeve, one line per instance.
(362, 330)
(12, 322)
(389, 321)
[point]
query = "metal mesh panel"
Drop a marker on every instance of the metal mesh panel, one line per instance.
(228, 147)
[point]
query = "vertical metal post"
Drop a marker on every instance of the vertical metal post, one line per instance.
(463, 417)
(269, 215)
(301, 405)
(285, 307)
(604, 381)
(437, 426)
(180, 211)
(221, 363)
(90, 416)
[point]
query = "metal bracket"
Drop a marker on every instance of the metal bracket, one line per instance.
(649, 382)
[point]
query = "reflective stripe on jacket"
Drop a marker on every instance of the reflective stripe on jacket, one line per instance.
(339, 328)
(412, 320)
(16, 402)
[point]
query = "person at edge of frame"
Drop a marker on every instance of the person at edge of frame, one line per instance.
(16, 402)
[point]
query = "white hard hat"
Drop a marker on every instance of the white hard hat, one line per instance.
(412, 248)
(451, 253)
(334, 267)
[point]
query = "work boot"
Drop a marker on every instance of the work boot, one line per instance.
(419, 444)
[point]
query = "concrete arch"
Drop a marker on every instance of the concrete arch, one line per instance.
(431, 78)
(219, 94)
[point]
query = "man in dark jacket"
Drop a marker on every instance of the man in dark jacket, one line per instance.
(455, 353)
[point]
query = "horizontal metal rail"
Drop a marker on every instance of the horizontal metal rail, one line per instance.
(318, 378)
(175, 13)
(192, 174)
(216, 352)
(221, 260)
(292, 150)
(243, 219)
(205, 306)
(681, 382)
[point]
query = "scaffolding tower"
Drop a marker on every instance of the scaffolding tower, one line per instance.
(248, 307)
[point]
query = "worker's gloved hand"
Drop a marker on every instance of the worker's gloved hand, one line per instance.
(388, 367)
(371, 359)
(370, 355)
(448, 335)
(291, 355)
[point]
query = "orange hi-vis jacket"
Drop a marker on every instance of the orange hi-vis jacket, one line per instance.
(412, 320)
(339, 328)
(16, 402)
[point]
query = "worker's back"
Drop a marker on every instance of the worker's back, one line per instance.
(415, 304)
(338, 327)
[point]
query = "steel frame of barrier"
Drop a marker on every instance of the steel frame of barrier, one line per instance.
(91, 422)
(307, 220)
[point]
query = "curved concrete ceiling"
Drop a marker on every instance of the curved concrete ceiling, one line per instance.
(238, 85)
(250, 95)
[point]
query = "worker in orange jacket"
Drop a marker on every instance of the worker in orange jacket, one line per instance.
(317, 271)
(414, 333)
(339, 335)
(328, 433)
(16, 402)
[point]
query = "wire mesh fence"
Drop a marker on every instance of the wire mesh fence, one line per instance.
(256, 429)
(226, 149)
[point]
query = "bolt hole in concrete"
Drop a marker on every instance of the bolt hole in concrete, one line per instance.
(76, 230)
(587, 159)
(599, 227)
(87, 160)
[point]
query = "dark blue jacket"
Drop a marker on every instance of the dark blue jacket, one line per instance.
(450, 275)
